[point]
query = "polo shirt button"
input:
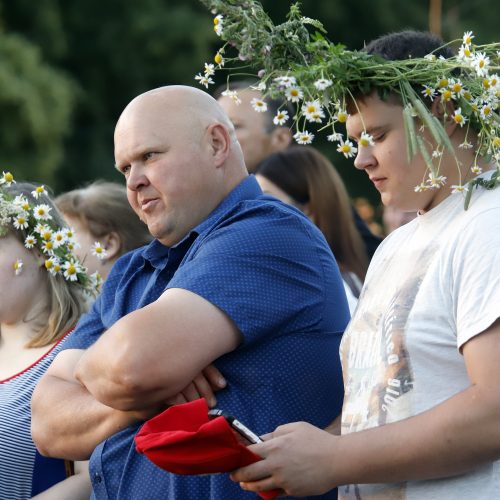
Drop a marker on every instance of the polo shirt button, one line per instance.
(97, 478)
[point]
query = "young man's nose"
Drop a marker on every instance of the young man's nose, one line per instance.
(364, 158)
(136, 178)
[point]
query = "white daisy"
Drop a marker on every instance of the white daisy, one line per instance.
(71, 270)
(481, 63)
(99, 251)
(467, 38)
(459, 188)
(204, 80)
(259, 105)
(18, 266)
(7, 179)
(30, 241)
(313, 111)
(459, 118)
(304, 137)
(322, 83)
(41, 212)
(21, 221)
(218, 24)
(294, 94)
(39, 191)
(209, 69)
(347, 148)
(335, 137)
(281, 117)
(286, 81)
(366, 140)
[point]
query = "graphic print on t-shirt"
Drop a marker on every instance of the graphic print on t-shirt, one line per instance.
(378, 371)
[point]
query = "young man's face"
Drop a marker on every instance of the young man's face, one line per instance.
(250, 126)
(386, 162)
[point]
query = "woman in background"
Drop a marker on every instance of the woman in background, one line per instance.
(43, 291)
(101, 212)
(303, 177)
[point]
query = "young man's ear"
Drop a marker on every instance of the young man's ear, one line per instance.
(219, 142)
(281, 138)
(444, 111)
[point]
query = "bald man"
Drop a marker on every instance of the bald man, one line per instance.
(233, 278)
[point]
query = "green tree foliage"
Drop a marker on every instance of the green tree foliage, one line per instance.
(35, 106)
(116, 49)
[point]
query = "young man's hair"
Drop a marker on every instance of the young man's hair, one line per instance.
(273, 105)
(407, 45)
(307, 176)
(399, 46)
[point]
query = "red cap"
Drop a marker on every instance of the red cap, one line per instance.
(183, 440)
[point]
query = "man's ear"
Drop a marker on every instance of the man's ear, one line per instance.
(444, 111)
(219, 142)
(281, 138)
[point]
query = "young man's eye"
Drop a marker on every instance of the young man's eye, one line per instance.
(125, 169)
(149, 155)
(379, 137)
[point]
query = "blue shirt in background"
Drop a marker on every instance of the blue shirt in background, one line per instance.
(270, 269)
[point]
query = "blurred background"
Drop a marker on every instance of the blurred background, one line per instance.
(68, 68)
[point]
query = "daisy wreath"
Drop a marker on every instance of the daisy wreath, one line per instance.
(320, 77)
(43, 233)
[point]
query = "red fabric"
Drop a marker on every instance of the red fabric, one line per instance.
(183, 440)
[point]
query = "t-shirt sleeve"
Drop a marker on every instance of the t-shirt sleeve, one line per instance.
(476, 267)
(267, 275)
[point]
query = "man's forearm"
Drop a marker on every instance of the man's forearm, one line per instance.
(68, 422)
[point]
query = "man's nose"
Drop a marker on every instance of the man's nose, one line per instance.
(136, 178)
(364, 159)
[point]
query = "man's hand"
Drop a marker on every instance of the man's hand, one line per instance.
(297, 460)
(204, 385)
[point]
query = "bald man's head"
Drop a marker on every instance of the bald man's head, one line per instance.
(178, 152)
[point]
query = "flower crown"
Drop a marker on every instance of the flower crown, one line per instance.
(42, 232)
(320, 78)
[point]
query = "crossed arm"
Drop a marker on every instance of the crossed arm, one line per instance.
(452, 438)
(143, 361)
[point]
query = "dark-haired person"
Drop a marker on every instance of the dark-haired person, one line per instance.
(420, 357)
(259, 135)
(303, 177)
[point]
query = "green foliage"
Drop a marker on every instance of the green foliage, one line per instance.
(35, 106)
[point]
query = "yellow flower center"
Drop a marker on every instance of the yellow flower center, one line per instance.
(342, 117)
(486, 83)
(49, 264)
(486, 110)
(8, 177)
(481, 63)
(457, 87)
(496, 142)
(216, 21)
(364, 142)
(447, 95)
(39, 189)
(311, 109)
(345, 148)
(294, 92)
(458, 118)
(71, 269)
(467, 95)
(218, 58)
(46, 235)
(443, 83)
(467, 51)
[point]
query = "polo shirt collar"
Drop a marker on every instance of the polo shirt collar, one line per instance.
(247, 189)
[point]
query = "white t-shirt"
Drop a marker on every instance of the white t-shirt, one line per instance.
(432, 285)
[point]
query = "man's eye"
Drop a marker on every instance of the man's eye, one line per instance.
(125, 170)
(148, 156)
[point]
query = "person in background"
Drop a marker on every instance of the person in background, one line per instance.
(369, 214)
(101, 212)
(303, 177)
(260, 135)
(43, 292)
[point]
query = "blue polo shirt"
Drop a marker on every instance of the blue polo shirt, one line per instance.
(270, 269)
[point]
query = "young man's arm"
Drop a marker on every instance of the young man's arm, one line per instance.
(153, 353)
(454, 437)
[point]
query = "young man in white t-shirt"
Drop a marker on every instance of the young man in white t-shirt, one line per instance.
(421, 356)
